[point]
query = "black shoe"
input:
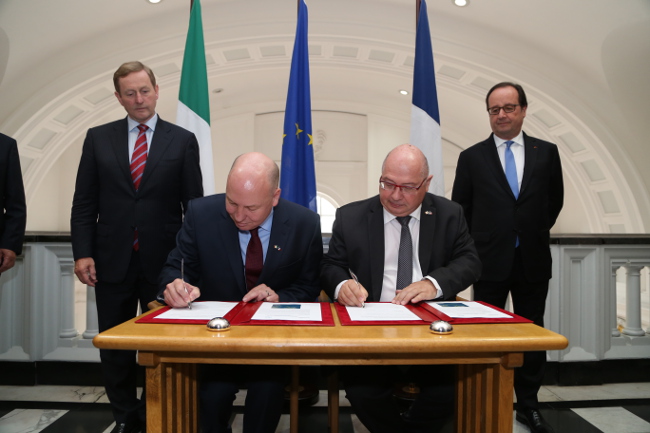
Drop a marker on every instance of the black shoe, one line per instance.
(127, 428)
(534, 420)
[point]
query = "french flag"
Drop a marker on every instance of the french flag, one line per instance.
(425, 116)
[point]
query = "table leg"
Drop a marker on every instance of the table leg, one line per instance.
(171, 396)
(293, 399)
(484, 400)
(333, 401)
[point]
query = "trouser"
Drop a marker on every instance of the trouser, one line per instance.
(117, 303)
(529, 301)
(218, 385)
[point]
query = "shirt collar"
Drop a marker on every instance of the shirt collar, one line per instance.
(519, 139)
(388, 217)
(151, 123)
(266, 225)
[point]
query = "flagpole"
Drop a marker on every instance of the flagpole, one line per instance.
(418, 3)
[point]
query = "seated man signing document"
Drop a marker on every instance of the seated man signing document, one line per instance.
(405, 246)
(245, 245)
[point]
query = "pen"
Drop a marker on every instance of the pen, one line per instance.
(189, 303)
(356, 280)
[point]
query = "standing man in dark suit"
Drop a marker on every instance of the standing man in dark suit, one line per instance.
(12, 196)
(405, 245)
(245, 245)
(511, 189)
(135, 177)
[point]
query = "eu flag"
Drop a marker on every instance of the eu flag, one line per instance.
(297, 177)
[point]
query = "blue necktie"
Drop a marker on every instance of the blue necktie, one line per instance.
(511, 170)
(511, 175)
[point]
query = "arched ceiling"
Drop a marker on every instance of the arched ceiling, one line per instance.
(584, 64)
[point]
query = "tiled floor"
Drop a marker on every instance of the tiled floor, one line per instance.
(618, 408)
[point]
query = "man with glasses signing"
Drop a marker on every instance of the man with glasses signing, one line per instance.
(404, 245)
(510, 187)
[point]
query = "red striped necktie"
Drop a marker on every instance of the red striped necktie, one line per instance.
(138, 161)
(139, 158)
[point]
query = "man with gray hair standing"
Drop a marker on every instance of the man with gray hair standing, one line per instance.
(135, 177)
(510, 187)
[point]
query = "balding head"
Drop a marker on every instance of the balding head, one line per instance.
(404, 166)
(410, 155)
(252, 189)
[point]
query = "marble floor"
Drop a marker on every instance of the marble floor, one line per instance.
(612, 408)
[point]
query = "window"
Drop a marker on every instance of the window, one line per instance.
(327, 210)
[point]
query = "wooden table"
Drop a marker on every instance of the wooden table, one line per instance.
(485, 355)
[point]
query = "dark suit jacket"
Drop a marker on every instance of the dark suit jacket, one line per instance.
(106, 208)
(209, 244)
(12, 197)
(446, 250)
(495, 218)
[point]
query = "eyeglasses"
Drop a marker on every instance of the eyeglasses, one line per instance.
(494, 111)
(406, 190)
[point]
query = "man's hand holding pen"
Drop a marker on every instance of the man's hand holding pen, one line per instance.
(352, 294)
(179, 294)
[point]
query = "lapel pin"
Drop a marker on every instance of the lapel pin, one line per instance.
(428, 212)
(277, 247)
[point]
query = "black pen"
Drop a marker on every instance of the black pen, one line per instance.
(356, 280)
(189, 303)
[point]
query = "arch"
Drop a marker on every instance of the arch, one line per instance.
(606, 199)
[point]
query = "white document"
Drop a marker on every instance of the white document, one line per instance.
(468, 310)
(381, 311)
(200, 311)
(288, 311)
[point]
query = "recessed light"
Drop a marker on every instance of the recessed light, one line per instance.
(404, 92)
(154, 1)
(461, 3)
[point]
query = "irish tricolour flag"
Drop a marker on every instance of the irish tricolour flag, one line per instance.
(193, 98)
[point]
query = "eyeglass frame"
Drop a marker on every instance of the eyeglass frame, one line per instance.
(406, 189)
(514, 108)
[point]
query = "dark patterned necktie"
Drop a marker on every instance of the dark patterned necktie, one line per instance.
(405, 255)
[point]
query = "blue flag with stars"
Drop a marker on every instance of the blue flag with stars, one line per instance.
(297, 175)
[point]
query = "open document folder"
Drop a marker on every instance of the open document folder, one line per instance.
(467, 312)
(384, 313)
(246, 313)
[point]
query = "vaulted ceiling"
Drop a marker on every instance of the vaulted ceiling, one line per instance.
(584, 63)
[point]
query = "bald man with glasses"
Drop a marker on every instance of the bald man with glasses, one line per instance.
(405, 245)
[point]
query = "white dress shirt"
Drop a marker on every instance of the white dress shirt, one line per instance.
(392, 234)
